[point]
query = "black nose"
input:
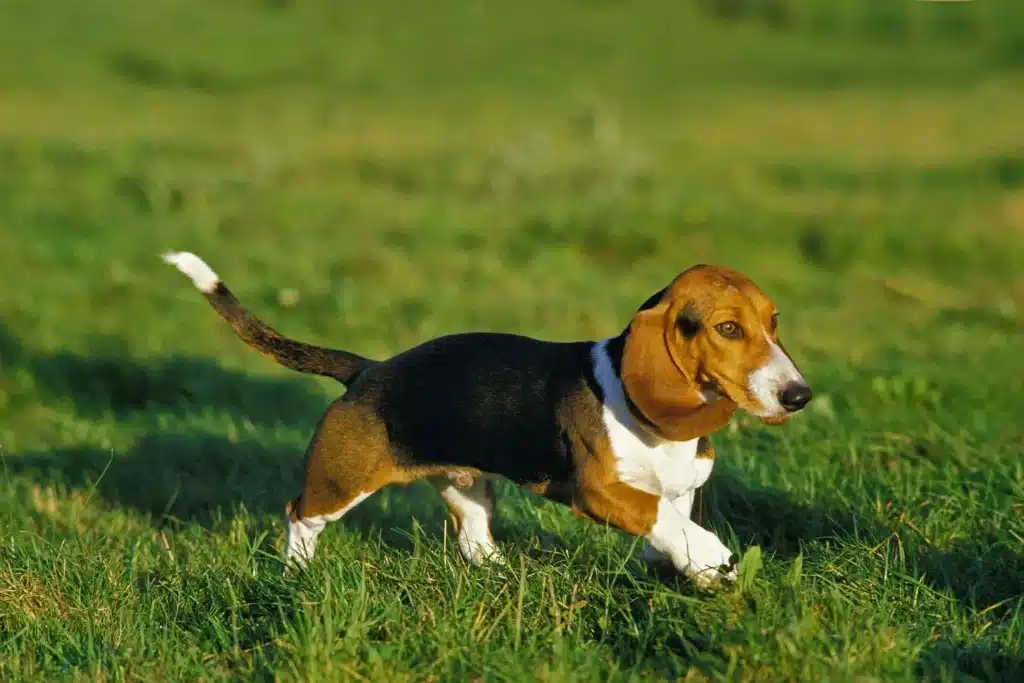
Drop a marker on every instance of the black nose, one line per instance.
(795, 396)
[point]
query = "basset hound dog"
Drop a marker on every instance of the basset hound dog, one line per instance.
(617, 428)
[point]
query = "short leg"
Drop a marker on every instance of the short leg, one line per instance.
(684, 505)
(697, 472)
(695, 551)
(304, 531)
(472, 509)
(347, 461)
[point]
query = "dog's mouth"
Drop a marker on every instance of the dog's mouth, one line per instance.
(711, 392)
(716, 389)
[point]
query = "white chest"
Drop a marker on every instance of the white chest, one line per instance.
(665, 469)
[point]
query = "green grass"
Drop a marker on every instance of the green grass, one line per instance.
(410, 170)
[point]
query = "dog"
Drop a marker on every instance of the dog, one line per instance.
(616, 428)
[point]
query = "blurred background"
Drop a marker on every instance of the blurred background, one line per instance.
(373, 174)
(401, 169)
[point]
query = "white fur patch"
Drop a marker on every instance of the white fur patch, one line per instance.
(766, 382)
(669, 469)
(474, 506)
(663, 468)
(201, 274)
(694, 550)
(304, 534)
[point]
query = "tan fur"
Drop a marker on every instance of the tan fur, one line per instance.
(665, 392)
(350, 455)
(619, 505)
(596, 492)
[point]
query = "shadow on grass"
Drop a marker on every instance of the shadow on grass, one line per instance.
(193, 477)
(984, 661)
(200, 479)
(114, 382)
(174, 478)
(979, 572)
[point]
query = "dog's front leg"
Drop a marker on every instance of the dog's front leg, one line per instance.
(683, 503)
(694, 551)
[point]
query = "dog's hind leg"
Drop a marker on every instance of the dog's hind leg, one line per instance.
(347, 461)
(304, 531)
(470, 501)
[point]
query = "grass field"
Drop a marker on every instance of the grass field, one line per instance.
(369, 175)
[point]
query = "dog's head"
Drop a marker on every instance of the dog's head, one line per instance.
(704, 346)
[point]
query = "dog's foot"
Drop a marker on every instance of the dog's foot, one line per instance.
(711, 561)
(713, 577)
(707, 561)
(480, 552)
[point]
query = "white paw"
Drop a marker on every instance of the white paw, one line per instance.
(710, 560)
(492, 556)
(480, 553)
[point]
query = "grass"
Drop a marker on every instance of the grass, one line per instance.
(371, 176)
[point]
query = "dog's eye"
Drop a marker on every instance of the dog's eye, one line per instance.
(774, 323)
(729, 330)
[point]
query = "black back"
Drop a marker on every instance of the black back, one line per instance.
(486, 400)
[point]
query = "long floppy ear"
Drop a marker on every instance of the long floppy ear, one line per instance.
(661, 389)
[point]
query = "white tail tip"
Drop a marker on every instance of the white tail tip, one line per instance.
(201, 274)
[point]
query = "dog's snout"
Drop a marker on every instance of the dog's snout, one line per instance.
(795, 396)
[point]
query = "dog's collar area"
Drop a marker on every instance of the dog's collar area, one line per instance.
(709, 395)
(637, 414)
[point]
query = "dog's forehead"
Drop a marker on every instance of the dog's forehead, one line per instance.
(712, 286)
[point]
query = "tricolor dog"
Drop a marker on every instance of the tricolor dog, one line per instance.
(617, 429)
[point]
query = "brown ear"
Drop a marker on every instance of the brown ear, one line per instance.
(660, 387)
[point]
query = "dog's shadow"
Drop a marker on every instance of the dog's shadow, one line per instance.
(179, 479)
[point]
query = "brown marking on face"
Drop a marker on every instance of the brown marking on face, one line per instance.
(705, 451)
(687, 358)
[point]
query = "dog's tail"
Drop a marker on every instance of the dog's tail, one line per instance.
(341, 365)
